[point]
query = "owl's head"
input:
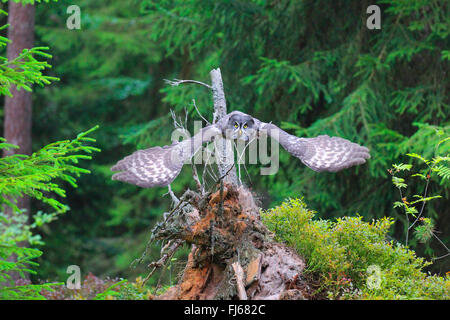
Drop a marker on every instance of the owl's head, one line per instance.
(240, 126)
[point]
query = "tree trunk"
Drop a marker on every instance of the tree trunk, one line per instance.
(225, 153)
(17, 121)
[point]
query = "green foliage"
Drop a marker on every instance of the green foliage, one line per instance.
(22, 264)
(15, 227)
(33, 175)
(425, 231)
(347, 254)
(134, 291)
(437, 169)
(24, 70)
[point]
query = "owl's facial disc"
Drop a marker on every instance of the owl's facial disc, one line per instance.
(240, 127)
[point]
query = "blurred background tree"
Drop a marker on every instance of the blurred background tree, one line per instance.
(311, 66)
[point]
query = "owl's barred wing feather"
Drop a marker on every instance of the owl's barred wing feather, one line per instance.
(322, 153)
(148, 168)
(158, 167)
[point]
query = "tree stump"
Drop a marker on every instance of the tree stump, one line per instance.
(233, 255)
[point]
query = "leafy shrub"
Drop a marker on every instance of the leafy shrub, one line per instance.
(436, 168)
(351, 259)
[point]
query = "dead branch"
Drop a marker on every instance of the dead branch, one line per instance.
(175, 200)
(225, 174)
(225, 154)
(196, 109)
(164, 258)
(239, 274)
(176, 82)
(196, 178)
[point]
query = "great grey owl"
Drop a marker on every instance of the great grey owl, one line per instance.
(159, 166)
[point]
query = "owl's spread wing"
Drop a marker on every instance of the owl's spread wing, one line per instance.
(159, 166)
(149, 167)
(322, 153)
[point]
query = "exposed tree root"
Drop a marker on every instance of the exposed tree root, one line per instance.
(233, 254)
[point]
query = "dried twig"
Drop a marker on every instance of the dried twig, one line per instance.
(226, 173)
(195, 176)
(175, 200)
(207, 169)
(239, 274)
(239, 158)
(195, 106)
(221, 199)
(164, 258)
(176, 82)
(448, 250)
(169, 214)
(176, 123)
(424, 202)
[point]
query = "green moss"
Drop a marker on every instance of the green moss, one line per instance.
(351, 258)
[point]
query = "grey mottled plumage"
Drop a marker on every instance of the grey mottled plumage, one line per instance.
(159, 166)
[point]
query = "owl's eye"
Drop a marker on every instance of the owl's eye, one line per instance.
(245, 126)
(236, 125)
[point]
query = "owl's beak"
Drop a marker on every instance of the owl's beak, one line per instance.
(240, 132)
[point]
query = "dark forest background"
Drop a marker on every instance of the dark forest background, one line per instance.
(312, 67)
